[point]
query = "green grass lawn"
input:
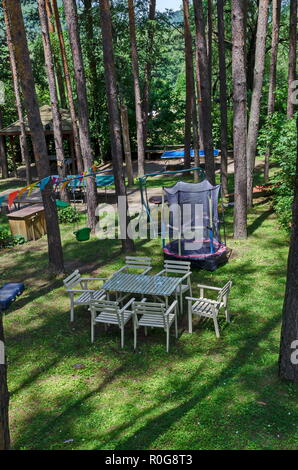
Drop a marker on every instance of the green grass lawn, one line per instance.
(207, 393)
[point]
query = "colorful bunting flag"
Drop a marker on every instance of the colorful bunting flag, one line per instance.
(11, 197)
(44, 182)
(1, 200)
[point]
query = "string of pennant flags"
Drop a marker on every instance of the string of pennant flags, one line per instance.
(56, 181)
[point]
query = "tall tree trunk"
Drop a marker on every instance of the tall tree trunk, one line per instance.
(137, 90)
(223, 96)
(4, 395)
(209, 42)
(57, 64)
(114, 118)
(92, 62)
(126, 142)
(288, 359)
(292, 56)
(71, 16)
(240, 117)
(23, 138)
(73, 114)
(254, 117)
(276, 8)
(49, 64)
(189, 84)
(206, 122)
(148, 68)
(3, 157)
(24, 69)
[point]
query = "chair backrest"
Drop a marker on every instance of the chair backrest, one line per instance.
(150, 308)
(106, 306)
(178, 267)
(72, 279)
(137, 262)
(224, 292)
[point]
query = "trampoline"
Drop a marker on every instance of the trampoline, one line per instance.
(180, 153)
(192, 225)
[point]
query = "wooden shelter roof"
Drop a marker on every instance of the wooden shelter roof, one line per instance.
(47, 122)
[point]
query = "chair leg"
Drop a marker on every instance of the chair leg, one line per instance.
(181, 303)
(216, 327)
(71, 311)
(134, 334)
(228, 317)
(176, 325)
(122, 337)
(189, 319)
(92, 330)
(146, 331)
(168, 339)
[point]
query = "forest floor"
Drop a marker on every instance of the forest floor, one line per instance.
(207, 393)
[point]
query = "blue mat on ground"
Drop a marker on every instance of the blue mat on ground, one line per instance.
(180, 153)
(9, 292)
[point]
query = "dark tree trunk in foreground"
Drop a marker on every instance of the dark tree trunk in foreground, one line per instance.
(4, 395)
(223, 96)
(87, 153)
(148, 69)
(49, 64)
(255, 106)
(3, 157)
(137, 90)
(25, 73)
(292, 56)
(23, 138)
(276, 7)
(206, 122)
(114, 117)
(240, 117)
(73, 114)
(288, 358)
(126, 143)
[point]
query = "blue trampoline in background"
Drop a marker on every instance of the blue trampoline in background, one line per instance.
(180, 153)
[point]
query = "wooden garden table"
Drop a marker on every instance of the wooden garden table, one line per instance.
(159, 286)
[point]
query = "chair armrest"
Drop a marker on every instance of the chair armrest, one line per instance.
(80, 291)
(94, 279)
(186, 276)
(201, 286)
(171, 308)
(127, 305)
(160, 273)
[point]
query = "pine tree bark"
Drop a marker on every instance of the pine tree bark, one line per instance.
(71, 16)
(148, 68)
(189, 84)
(49, 64)
(288, 369)
(114, 119)
(240, 117)
(292, 57)
(24, 69)
(209, 42)
(276, 9)
(223, 96)
(126, 142)
(254, 117)
(73, 114)
(206, 122)
(4, 395)
(3, 157)
(137, 89)
(23, 138)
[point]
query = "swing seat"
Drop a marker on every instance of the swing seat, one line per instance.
(83, 234)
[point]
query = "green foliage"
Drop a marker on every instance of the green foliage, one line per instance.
(280, 135)
(7, 240)
(68, 215)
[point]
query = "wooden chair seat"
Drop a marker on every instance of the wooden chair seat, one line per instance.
(154, 320)
(86, 297)
(112, 318)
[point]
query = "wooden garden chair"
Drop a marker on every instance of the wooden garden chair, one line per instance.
(79, 292)
(183, 269)
(110, 313)
(208, 308)
(155, 315)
